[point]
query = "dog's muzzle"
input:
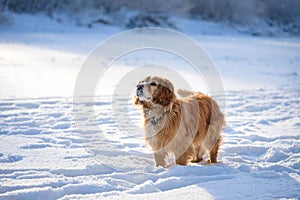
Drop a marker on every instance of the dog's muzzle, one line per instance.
(139, 90)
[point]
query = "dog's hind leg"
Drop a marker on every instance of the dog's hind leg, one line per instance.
(213, 153)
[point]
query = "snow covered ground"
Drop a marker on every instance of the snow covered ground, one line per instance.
(42, 155)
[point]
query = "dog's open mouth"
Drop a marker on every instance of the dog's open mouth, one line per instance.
(141, 96)
(144, 98)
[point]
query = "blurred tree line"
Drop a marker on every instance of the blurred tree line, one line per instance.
(274, 12)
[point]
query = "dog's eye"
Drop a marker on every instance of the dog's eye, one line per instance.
(153, 84)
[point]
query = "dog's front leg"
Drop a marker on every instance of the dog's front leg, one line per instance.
(160, 159)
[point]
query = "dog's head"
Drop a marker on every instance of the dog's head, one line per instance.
(154, 90)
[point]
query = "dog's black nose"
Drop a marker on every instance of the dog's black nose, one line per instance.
(140, 87)
(139, 90)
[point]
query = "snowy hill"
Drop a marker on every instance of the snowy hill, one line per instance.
(43, 156)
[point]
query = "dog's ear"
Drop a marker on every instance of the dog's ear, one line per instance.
(164, 94)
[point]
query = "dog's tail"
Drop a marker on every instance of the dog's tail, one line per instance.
(184, 93)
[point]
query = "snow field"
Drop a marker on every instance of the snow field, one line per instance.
(43, 155)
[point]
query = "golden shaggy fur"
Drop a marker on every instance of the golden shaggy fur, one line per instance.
(187, 127)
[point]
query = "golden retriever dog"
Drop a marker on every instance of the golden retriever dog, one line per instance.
(187, 127)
